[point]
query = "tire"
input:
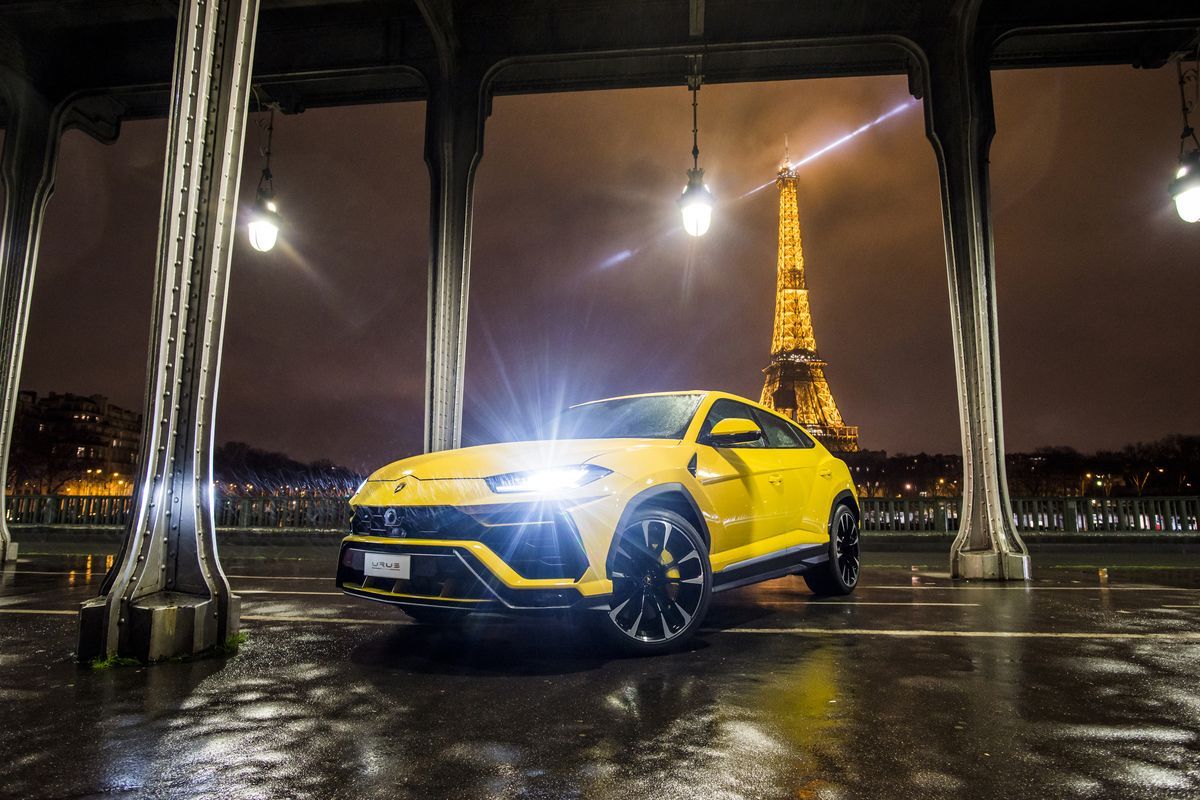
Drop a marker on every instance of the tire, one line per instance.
(662, 585)
(445, 617)
(838, 575)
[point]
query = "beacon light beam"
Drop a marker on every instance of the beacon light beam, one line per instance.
(836, 143)
(625, 255)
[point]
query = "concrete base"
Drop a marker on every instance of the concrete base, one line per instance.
(989, 565)
(157, 627)
(8, 553)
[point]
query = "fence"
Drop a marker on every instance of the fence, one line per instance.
(1048, 514)
(1043, 514)
(230, 512)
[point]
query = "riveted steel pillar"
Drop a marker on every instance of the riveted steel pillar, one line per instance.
(454, 119)
(960, 124)
(167, 594)
(27, 165)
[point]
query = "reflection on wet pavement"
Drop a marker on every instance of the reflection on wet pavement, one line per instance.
(913, 687)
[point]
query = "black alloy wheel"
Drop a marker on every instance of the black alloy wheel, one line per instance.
(662, 583)
(840, 574)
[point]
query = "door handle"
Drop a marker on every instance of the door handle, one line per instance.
(825, 472)
(775, 479)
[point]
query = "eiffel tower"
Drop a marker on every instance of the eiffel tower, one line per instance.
(795, 384)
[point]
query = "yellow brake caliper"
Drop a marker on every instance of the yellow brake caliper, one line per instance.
(672, 573)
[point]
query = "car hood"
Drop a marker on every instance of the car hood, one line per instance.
(494, 459)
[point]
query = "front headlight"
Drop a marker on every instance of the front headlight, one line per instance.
(547, 480)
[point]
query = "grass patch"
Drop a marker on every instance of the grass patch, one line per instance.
(110, 662)
(231, 644)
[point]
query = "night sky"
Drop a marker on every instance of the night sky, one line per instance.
(583, 285)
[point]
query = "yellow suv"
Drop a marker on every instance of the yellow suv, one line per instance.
(633, 511)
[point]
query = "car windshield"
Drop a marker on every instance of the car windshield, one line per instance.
(664, 416)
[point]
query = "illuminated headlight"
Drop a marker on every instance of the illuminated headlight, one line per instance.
(547, 480)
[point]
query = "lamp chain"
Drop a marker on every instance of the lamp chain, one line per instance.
(267, 180)
(694, 81)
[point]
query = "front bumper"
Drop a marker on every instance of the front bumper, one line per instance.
(472, 551)
(463, 575)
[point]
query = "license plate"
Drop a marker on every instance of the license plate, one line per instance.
(386, 565)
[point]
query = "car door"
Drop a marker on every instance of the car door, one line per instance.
(798, 457)
(744, 484)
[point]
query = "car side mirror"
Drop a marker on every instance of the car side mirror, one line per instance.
(731, 432)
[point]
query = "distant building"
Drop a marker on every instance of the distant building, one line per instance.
(71, 444)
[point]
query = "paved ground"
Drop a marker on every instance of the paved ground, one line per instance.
(1079, 685)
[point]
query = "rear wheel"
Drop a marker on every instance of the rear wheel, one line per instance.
(662, 584)
(839, 575)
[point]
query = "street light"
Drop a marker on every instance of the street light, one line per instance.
(1185, 189)
(264, 219)
(264, 223)
(696, 203)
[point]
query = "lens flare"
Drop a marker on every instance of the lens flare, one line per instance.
(838, 142)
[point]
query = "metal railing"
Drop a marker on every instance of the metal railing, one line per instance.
(1042, 514)
(230, 512)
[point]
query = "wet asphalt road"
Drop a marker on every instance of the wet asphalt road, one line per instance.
(1079, 685)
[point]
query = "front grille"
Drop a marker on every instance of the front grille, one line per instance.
(536, 539)
(415, 522)
(437, 576)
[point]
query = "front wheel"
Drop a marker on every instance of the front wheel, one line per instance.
(662, 584)
(839, 575)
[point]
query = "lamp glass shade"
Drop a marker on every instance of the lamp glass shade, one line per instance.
(696, 204)
(1185, 189)
(264, 225)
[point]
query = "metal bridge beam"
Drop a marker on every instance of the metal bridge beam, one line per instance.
(455, 111)
(960, 123)
(27, 167)
(167, 594)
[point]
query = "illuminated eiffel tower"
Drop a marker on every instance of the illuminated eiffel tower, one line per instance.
(795, 385)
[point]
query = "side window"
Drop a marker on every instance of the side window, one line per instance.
(778, 433)
(727, 409)
(805, 438)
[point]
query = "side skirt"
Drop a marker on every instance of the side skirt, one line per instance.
(792, 561)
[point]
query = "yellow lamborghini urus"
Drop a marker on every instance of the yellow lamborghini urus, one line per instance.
(633, 512)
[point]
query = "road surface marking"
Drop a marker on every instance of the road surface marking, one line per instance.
(838, 603)
(1018, 587)
(341, 620)
(1189, 636)
(282, 591)
(327, 578)
(1183, 636)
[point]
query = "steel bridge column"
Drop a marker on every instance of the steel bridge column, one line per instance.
(960, 124)
(167, 594)
(27, 168)
(454, 119)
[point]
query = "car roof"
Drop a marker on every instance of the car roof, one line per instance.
(713, 393)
